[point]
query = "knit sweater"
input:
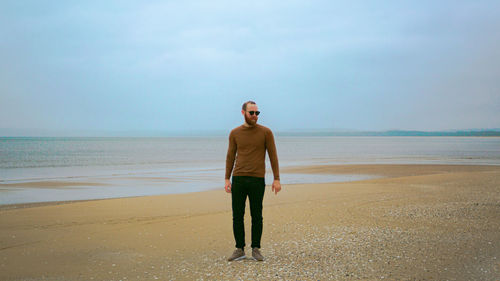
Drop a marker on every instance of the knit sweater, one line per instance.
(248, 145)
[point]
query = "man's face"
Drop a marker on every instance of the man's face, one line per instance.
(251, 119)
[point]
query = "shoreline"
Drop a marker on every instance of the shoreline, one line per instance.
(393, 170)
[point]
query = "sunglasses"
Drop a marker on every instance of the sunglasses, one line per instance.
(252, 112)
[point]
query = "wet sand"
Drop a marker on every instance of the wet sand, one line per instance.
(47, 184)
(417, 222)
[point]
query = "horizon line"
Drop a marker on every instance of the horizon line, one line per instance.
(20, 133)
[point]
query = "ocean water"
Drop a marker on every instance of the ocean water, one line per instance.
(121, 167)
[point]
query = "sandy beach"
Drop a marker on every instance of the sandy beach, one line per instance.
(414, 222)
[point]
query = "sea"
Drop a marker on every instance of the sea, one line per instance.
(44, 169)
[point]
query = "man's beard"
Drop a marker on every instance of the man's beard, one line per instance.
(250, 121)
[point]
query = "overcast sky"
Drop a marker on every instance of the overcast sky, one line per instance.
(189, 65)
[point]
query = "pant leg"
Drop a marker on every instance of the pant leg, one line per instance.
(256, 196)
(238, 197)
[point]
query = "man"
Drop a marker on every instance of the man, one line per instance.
(248, 144)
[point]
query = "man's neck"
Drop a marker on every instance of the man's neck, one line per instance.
(248, 125)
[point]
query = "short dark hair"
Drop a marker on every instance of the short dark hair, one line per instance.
(244, 107)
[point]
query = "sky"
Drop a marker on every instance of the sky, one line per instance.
(189, 65)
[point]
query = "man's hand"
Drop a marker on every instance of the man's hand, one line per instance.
(227, 186)
(276, 186)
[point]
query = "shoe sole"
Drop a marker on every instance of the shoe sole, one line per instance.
(256, 259)
(240, 258)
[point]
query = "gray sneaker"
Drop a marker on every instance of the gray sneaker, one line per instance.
(256, 254)
(237, 255)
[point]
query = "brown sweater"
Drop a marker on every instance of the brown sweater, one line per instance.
(248, 145)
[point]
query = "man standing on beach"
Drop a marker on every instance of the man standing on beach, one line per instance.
(248, 144)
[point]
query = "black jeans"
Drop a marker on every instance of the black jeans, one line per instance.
(254, 188)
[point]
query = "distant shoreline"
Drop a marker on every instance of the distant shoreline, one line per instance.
(398, 134)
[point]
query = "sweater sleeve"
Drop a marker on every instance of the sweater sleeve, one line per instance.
(231, 155)
(273, 155)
